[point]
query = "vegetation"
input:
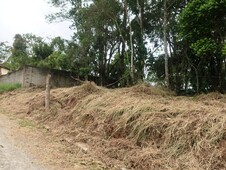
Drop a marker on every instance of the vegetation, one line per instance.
(26, 123)
(140, 127)
(4, 87)
(178, 43)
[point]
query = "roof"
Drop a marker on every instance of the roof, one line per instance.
(2, 66)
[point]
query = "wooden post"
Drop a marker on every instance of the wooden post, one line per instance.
(47, 96)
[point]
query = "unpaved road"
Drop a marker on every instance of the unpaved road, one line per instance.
(11, 156)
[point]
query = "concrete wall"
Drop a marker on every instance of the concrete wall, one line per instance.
(14, 77)
(34, 76)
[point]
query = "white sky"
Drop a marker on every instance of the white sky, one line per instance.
(28, 16)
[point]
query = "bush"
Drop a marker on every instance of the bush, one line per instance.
(9, 87)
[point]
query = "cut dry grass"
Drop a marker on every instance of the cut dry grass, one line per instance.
(146, 89)
(27, 123)
(139, 127)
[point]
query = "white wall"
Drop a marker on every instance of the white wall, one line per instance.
(3, 71)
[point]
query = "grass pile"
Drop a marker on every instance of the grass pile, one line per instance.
(139, 127)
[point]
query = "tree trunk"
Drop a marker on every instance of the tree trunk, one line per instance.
(166, 45)
(132, 55)
(47, 96)
(141, 46)
(131, 47)
(197, 80)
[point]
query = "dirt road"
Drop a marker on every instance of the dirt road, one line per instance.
(12, 156)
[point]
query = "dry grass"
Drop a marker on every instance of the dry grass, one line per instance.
(139, 127)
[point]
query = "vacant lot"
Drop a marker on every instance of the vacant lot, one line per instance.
(131, 128)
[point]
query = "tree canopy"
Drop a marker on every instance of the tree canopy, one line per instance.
(122, 42)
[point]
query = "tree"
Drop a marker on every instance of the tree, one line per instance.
(203, 28)
(56, 60)
(116, 40)
(99, 36)
(42, 50)
(165, 19)
(4, 51)
(19, 55)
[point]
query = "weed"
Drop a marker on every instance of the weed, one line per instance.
(9, 87)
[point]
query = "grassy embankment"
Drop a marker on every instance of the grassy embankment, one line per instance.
(137, 128)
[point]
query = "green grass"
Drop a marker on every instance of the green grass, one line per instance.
(4, 87)
(27, 123)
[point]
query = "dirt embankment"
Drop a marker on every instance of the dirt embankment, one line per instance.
(130, 128)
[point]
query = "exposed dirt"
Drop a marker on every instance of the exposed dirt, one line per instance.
(25, 145)
(140, 127)
(12, 156)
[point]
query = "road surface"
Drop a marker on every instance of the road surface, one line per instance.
(11, 156)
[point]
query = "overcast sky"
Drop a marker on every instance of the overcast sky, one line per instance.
(28, 16)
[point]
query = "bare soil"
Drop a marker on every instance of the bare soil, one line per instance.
(141, 127)
(11, 155)
(25, 145)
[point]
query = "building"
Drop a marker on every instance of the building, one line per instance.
(3, 70)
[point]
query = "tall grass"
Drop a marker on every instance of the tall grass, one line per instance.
(4, 87)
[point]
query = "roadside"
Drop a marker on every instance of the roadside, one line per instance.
(24, 147)
(31, 137)
(11, 154)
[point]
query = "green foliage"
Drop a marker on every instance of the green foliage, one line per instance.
(224, 50)
(4, 51)
(42, 50)
(57, 44)
(156, 65)
(4, 87)
(203, 18)
(56, 60)
(84, 71)
(195, 33)
(19, 55)
(203, 28)
(204, 47)
(28, 49)
(107, 31)
(102, 33)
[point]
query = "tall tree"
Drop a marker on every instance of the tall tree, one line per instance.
(4, 51)
(203, 27)
(100, 36)
(165, 19)
(114, 38)
(19, 56)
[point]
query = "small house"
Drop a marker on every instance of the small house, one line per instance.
(3, 70)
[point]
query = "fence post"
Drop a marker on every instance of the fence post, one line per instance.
(47, 95)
